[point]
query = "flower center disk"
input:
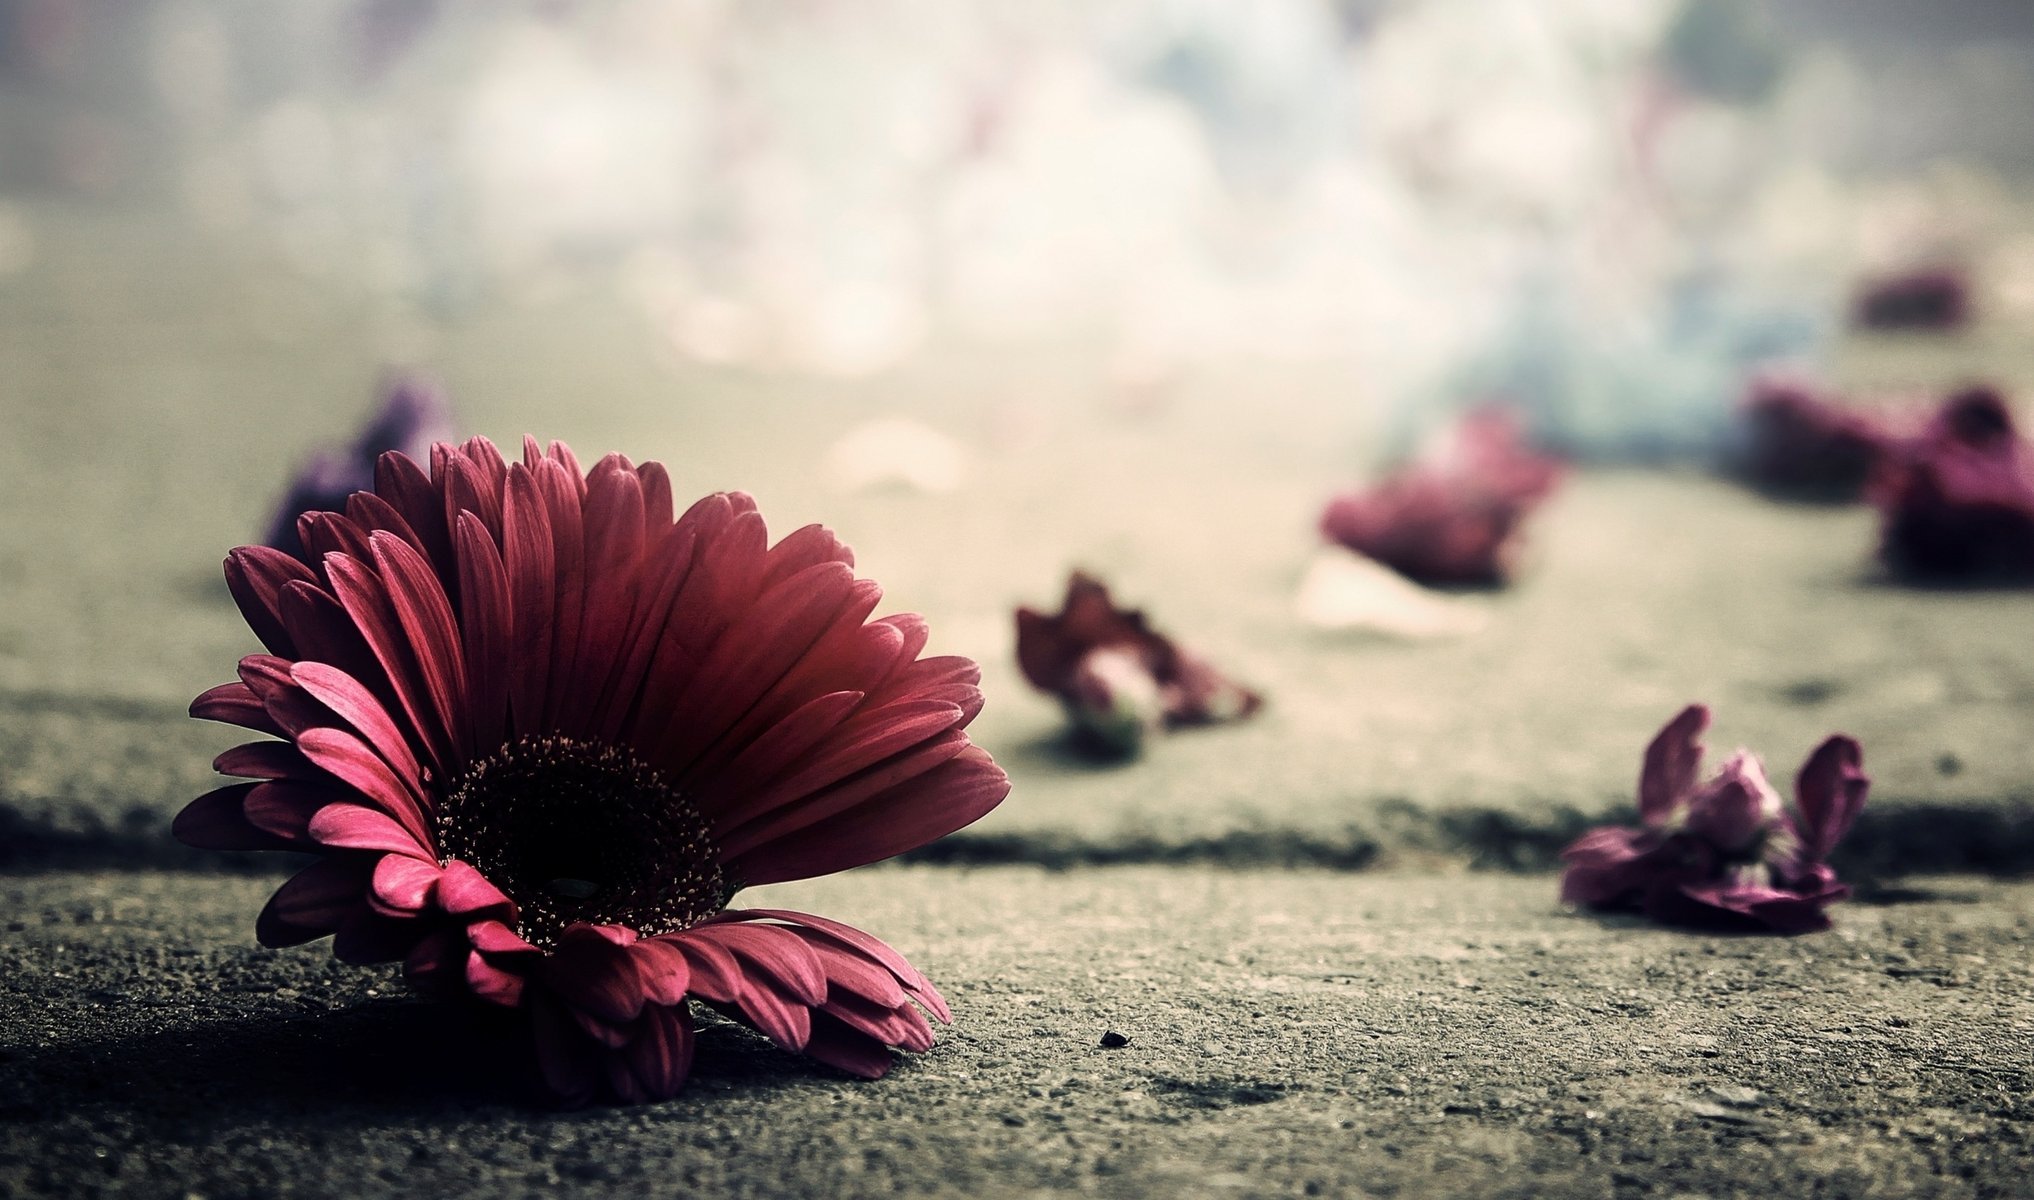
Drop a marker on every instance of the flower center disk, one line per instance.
(581, 831)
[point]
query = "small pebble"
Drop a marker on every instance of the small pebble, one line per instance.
(1113, 1040)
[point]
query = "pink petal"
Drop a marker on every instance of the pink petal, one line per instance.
(256, 576)
(1829, 793)
(215, 821)
(367, 600)
(491, 983)
(425, 614)
(835, 1044)
(527, 556)
(354, 827)
(403, 885)
(864, 741)
(872, 948)
(326, 634)
(487, 628)
(1672, 762)
(315, 901)
(401, 482)
(593, 974)
(235, 704)
(285, 807)
(560, 491)
(906, 802)
(660, 1054)
(496, 939)
(354, 763)
(666, 973)
(351, 702)
(465, 892)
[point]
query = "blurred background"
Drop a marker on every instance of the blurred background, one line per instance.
(1132, 284)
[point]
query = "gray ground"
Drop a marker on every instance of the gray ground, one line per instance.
(1412, 1029)
(1384, 1034)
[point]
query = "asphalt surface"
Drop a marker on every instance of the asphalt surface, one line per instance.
(1289, 1033)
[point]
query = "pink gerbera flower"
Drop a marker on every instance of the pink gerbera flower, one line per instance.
(1957, 502)
(1801, 442)
(1724, 853)
(539, 734)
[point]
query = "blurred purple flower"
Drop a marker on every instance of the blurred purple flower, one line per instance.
(414, 414)
(1958, 501)
(1454, 516)
(1932, 298)
(1117, 677)
(1725, 854)
(1803, 443)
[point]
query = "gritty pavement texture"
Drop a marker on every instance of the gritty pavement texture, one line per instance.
(1289, 1033)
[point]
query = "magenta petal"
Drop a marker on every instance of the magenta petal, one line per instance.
(867, 945)
(354, 827)
(495, 938)
(1829, 793)
(659, 1057)
(235, 704)
(491, 983)
(315, 901)
(593, 974)
(265, 760)
(465, 892)
(256, 576)
(1672, 761)
(835, 1044)
(404, 885)
(215, 821)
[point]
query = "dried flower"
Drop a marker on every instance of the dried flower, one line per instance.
(539, 734)
(1453, 517)
(413, 415)
(1725, 853)
(1957, 502)
(1117, 677)
(1801, 443)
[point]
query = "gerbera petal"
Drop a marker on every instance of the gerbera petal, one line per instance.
(659, 1056)
(527, 556)
(356, 764)
(803, 548)
(772, 950)
(421, 606)
(954, 794)
(265, 760)
(465, 892)
(285, 807)
(315, 901)
(560, 493)
(788, 812)
(351, 702)
(664, 969)
(837, 1045)
(657, 502)
(375, 515)
(860, 743)
(326, 634)
(491, 983)
(368, 601)
(783, 745)
(471, 490)
(593, 974)
(1829, 792)
(356, 827)
(235, 704)
(498, 940)
(327, 533)
(404, 885)
(256, 575)
(1673, 760)
(487, 628)
(400, 481)
(216, 821)
(870, 947)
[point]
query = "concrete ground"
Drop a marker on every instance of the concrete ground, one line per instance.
(1290, 1033)
(1415, 1028)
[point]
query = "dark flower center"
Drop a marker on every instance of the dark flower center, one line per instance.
(577, 831)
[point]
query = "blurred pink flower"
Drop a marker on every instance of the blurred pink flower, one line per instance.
(1804, 443)
(1957, 502)
(1726, 853)
(538, 734)
(1117, 677)
(413, 415)
(1453, 517)
(1931, 298)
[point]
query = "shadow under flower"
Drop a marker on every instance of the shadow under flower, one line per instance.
(365, 1065)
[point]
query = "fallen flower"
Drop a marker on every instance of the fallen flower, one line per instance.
(413, 415)
(539, 734)
(1804, 444)
(1725, 853)
(1957, 502)
(1934, 298)
(1117, 677)
(1455, 516)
